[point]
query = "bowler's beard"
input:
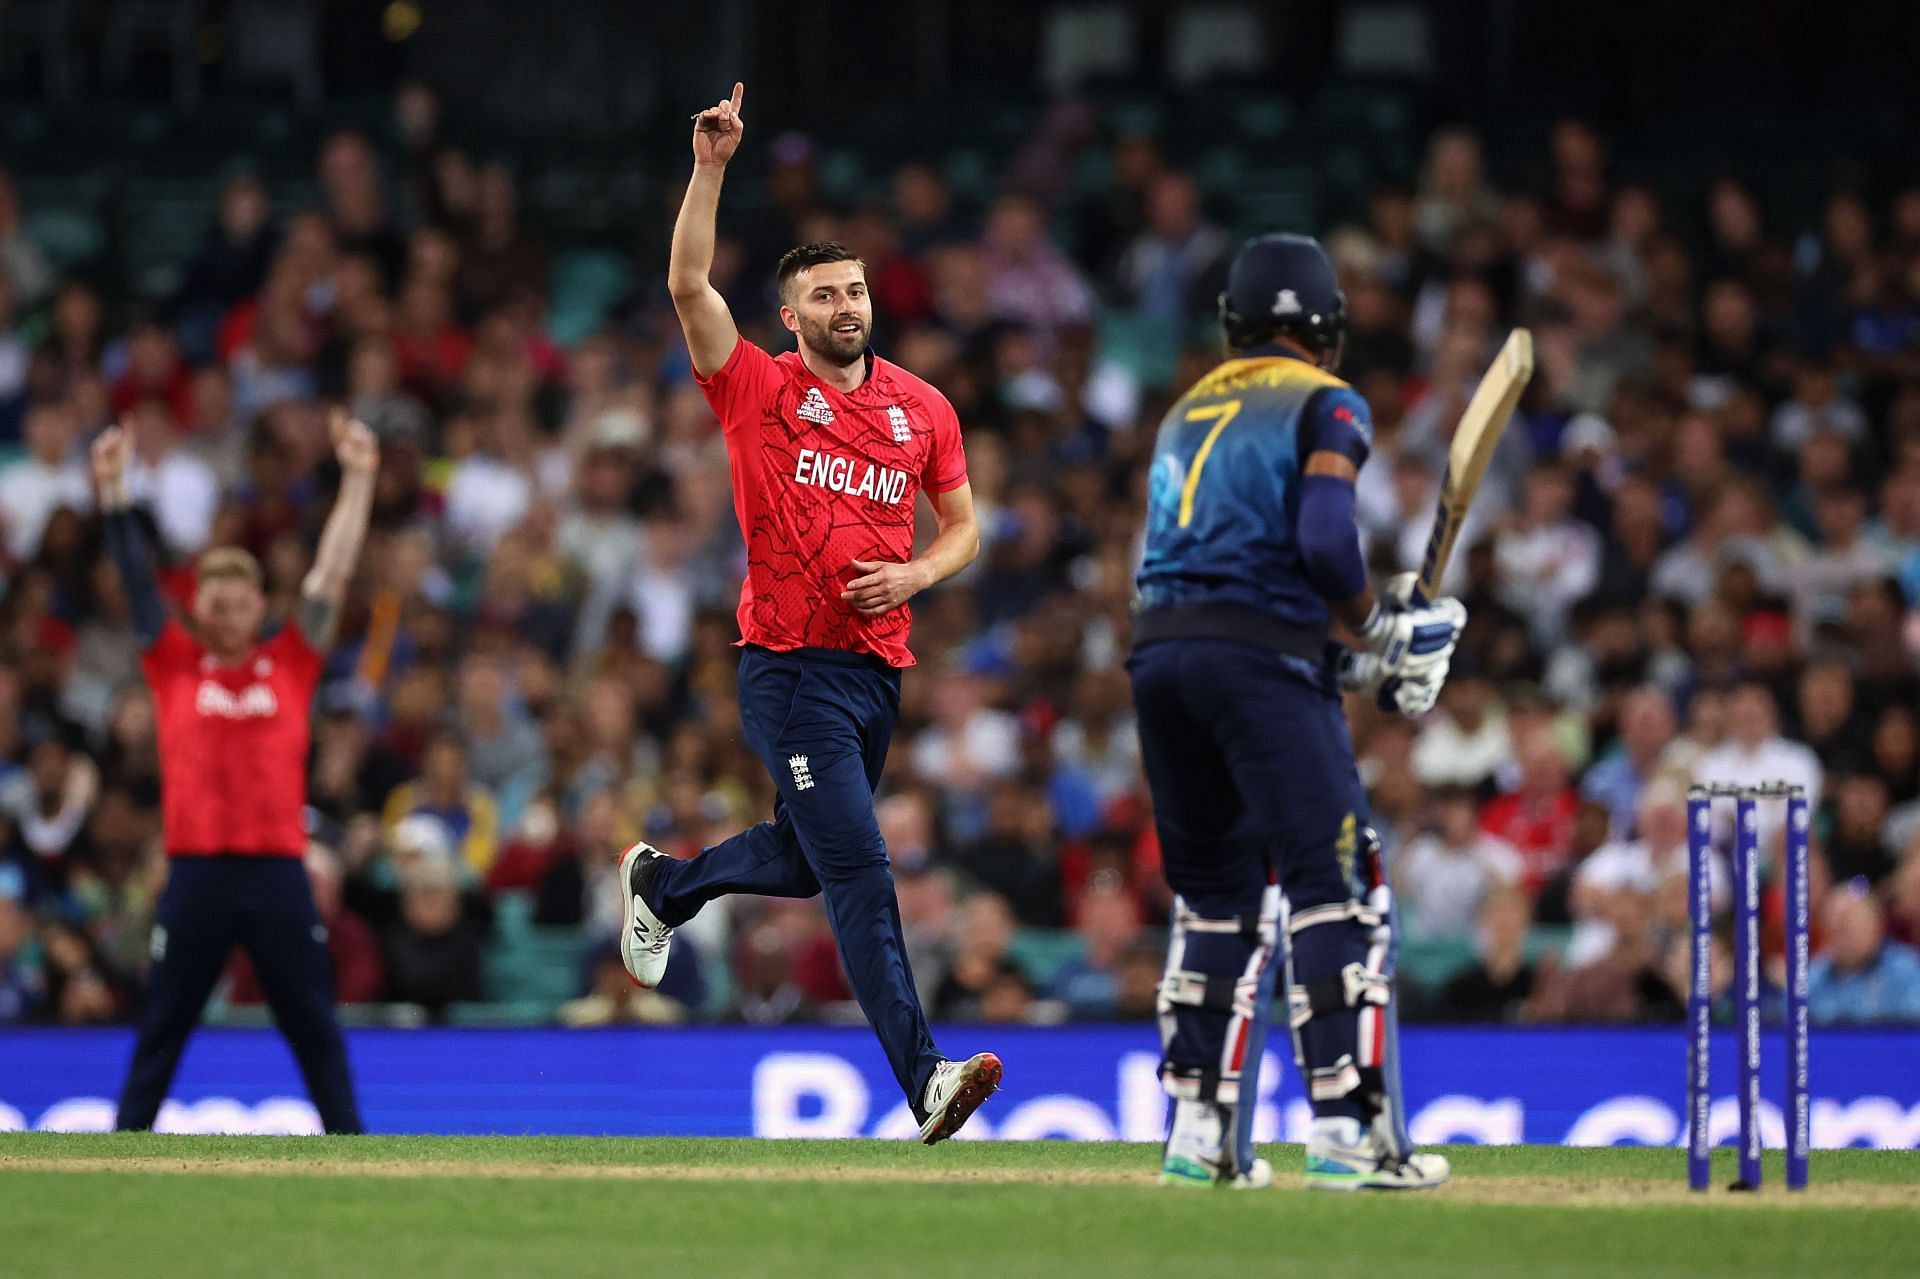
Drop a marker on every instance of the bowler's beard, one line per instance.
(832, 347)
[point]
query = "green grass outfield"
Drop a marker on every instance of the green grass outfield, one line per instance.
(160, 1206)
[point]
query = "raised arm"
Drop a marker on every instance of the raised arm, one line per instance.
(126, 546)
(345, 533)
(884, 587)
(704, 317)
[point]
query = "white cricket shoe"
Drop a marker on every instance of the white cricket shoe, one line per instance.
(1343, 1155)
(954, 1091)
(1198, 1156)
(644, 940)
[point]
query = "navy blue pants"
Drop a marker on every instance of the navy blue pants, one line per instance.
(265, 905)
(1252, 771)
(821, 721)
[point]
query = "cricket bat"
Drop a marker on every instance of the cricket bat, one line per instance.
(1474, 441)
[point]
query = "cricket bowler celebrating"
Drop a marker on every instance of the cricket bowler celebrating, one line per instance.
(1250, 547)
(829, 447)
(232, 715)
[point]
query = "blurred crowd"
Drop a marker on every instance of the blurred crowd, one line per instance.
(1697, 556)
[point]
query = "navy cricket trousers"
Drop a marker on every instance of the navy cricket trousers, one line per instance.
(264, 904)
(821, 721)
(1252, 771)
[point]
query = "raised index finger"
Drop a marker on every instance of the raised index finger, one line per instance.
(738, 90)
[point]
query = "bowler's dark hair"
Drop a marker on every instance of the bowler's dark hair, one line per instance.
(807, 256)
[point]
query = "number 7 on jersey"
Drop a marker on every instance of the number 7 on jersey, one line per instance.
(1219, 414)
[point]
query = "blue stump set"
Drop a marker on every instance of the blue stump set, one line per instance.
(1746, 977)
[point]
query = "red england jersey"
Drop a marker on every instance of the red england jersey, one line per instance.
(233, 743)
(821, 479)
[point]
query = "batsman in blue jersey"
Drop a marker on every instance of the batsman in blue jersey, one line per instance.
(1251, 554)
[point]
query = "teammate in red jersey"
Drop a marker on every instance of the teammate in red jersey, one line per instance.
(232, 716)
(830, 446)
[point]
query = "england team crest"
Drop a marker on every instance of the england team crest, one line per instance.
(902, 429)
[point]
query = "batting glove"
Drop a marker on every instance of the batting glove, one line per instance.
(1409, 638)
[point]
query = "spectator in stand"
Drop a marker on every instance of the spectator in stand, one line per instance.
(1029, 281)
(1547, 559)
(504, 749)
(1843, 559)
(47, 802)
(445, 793)
(154, 371)
(1175, 267)
(1618, 979)
(1497, 986)
(1089, 984)
(1453, 188)
(1467, 741)
(1859, 846)
(356, 202)
(1647, 729)
(49, 477)
(1447, 870)
(1537, 817)
(1015, 858)
(1009, 996)
(1860, 975)
(431, 949)
(928, 899)
(79, 992)
(983, 934)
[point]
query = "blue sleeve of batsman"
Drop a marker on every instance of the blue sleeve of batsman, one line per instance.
(1337, 421)
(1329, 539)
(128, 550)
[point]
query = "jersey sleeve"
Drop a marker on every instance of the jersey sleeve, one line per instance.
(1337, 421)
(738, 389)
(946, 467)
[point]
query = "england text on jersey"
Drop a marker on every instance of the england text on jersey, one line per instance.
(850, 476)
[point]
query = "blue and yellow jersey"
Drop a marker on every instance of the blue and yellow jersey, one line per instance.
(1224, 495)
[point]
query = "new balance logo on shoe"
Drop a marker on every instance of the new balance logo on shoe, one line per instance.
(802, 772)
(814, 408)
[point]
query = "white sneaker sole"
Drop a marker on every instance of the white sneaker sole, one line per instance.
(979, 1079)
(645, 965)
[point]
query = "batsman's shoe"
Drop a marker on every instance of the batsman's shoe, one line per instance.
(1342, 1155)
(645, 940)
(1187, 1174)
(954, 1091)
(1198, 1153)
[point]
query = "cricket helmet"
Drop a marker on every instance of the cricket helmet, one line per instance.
(1283, 285)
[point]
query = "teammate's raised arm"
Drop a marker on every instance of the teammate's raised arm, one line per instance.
(125, 545)
(326, 582)
(704, 317)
